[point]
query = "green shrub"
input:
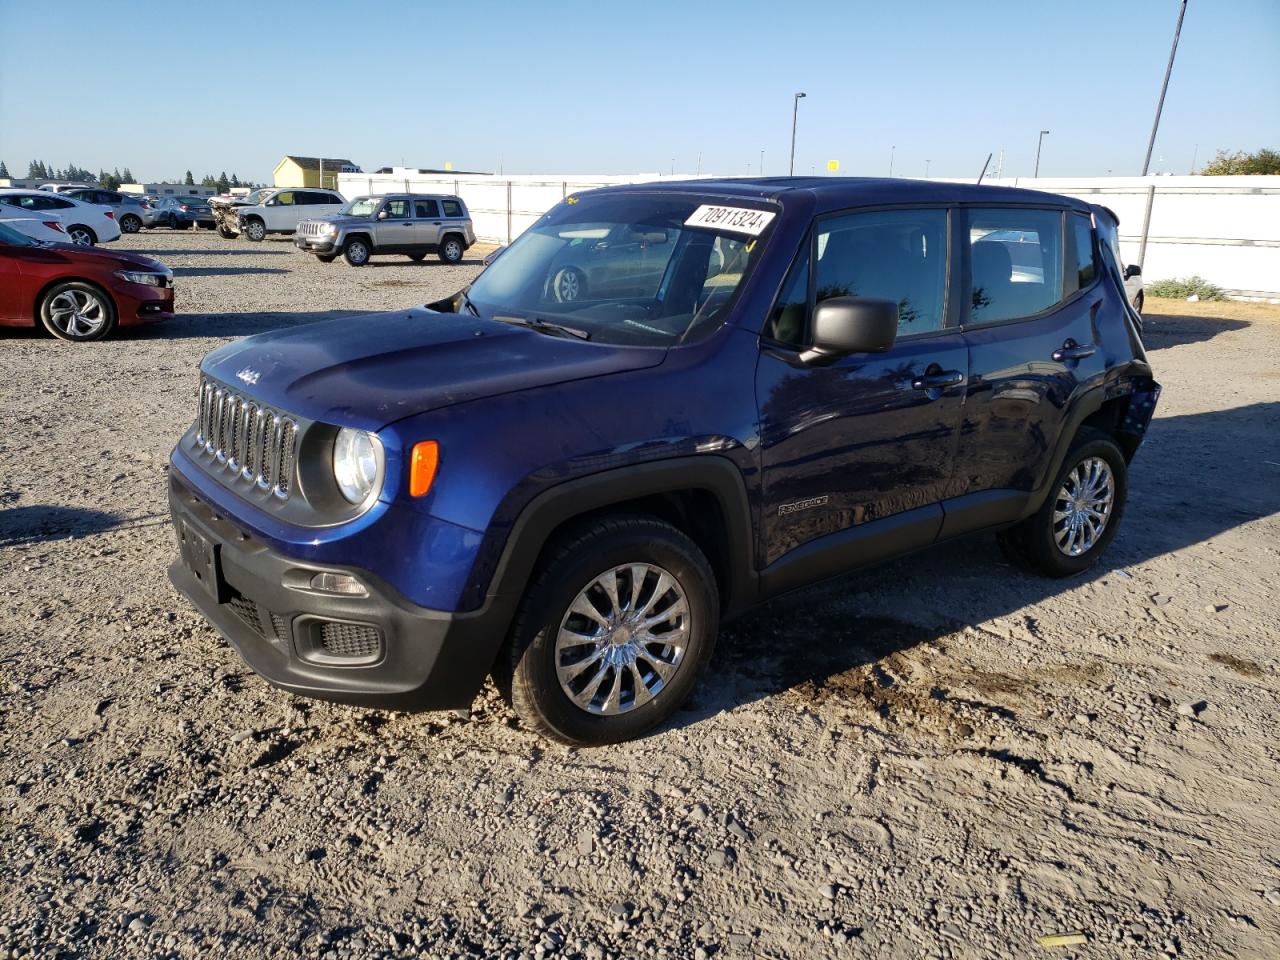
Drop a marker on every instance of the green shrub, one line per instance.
(1180, 289)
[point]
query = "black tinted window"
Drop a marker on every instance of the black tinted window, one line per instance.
(1082, 234)
(1015, 263)
(452, 208)
(898, 255)
(425, 209)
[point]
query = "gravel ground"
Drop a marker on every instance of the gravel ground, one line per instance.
(941, 758)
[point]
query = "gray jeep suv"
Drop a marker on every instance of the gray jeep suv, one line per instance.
(413, 224)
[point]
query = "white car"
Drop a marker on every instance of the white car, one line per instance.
(276, 211)
(48, 230)
(85, 223)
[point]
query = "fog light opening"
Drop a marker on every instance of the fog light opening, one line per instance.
(340, 583)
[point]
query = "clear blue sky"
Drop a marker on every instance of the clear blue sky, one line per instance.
(599, 87)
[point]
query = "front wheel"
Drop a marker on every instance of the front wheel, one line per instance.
(356, 252)
(226, 233)
(77, 311)
(569, 285)
(451, 250)
(613, 632)
(1077, 521)
(325, 257)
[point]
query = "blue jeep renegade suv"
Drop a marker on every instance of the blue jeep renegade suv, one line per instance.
(661, 405)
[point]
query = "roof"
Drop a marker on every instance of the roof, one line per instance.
(838, 193)
(313, 163)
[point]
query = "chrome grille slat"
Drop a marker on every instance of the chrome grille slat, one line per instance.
(256, 443)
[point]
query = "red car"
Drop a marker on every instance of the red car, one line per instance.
(78, 293)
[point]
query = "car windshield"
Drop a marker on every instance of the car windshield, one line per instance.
(13, 238)
(638, 269)
(361, 207)
(254, 197)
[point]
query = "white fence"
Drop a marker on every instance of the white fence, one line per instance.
(1226, 229)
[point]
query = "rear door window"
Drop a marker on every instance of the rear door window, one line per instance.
(1015, 263)
(425, 209)
(395, 210)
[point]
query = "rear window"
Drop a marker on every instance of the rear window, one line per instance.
(1015, 263)
(1082, 235)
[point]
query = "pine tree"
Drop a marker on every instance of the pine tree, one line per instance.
(190, 181)
(127, 176)
(223, 183)
(4, 171)
(235, 181)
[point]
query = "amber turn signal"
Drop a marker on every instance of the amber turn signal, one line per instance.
(422, 467)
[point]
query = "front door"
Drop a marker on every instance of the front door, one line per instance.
(867, 437)
(393, 228)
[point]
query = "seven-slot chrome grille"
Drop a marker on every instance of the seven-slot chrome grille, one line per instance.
(246, 437)
(310, 228)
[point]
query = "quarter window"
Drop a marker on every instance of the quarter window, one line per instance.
(1015, 263)
(898, 255)
(452, 208)
(1082, 234)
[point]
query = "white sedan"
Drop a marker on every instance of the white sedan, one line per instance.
(85, 223)
(48, 229)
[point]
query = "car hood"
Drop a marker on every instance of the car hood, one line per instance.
(369, 371)
(338, 219)
(108, 259)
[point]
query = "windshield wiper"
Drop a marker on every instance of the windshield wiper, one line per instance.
(546, 326)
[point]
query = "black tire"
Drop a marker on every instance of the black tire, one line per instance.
(1138, 301)
(173, 221)
(417, 257)
(255, 230)
(130, 223)
(325, 257)
(1033, 543)
(357, 251)
(57, 297)
(81, 235)
(226, 233)
(526, 671)
(569, 285)
(451, 249)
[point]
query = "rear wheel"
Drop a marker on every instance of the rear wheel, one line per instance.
(613, 632)
(74, 310)
(130, 223)
(451, 250)
(81, 235)
(356, 251)
(173, 221)
(1137, 301)
(417, 257)
(255, 230)
(1078, 519)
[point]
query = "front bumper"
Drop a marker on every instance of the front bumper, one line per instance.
(138, 303)
(314, 244)
(377, 650)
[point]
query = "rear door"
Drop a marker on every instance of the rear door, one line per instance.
(1031, 295)
(426, 222)
(393, 226)
(869, 436)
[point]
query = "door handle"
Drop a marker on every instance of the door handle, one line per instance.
(1074, 351)
(938, 381)
(437, 222)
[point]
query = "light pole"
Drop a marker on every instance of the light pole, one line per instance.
(762, 163)
(1038, 144)
(891, 149)
(1164, 88)
(926, 169)
(795, 110)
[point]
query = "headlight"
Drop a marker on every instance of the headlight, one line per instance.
(357, 462)
(149, 279)
(328, 228)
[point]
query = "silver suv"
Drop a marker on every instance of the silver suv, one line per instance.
(413, 224)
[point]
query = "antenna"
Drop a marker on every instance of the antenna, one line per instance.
(984, 168)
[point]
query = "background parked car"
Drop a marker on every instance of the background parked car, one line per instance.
(179, 213)
(85, 223)
(224, 210)
(128, 209)
(412, 224)
(277, 211)
(47, 231)
(78, 294)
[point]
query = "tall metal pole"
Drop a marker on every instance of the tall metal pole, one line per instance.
(1039, 143)
(1164, 88)
(795, 110)
(892, 148)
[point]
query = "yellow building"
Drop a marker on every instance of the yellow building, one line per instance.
(312, 172)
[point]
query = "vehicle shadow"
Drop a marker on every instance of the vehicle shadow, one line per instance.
(37, 524)
(1161, 331)
(223, 271)
(188, 325)
(1197, 476)
(240, 251)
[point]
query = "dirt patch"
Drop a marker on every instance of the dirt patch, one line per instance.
(1245, 668)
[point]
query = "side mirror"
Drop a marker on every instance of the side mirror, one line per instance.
(844, 325)
(382, 214)
(1131, 271)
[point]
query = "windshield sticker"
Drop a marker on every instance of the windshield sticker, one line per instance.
(733, 219)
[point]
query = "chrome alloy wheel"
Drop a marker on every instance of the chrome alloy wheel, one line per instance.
(1083, 506)
(622, 639)
(77, 313)
(452, 251)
